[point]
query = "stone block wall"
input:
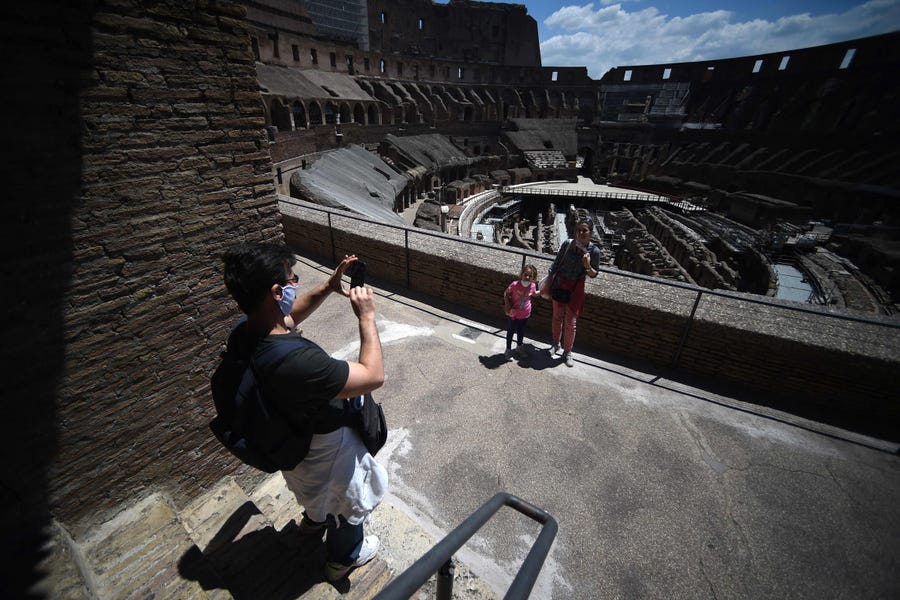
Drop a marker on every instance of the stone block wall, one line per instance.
(830, 369)
(140, 155)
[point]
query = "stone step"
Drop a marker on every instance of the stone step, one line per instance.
(137, 554)
(62, 576)
(230, 543)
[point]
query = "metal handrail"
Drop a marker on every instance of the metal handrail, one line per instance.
(436, 559)
(637, 196)
(585, 194)
(614, 272)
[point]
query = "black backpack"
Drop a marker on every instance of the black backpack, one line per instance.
(246, 423)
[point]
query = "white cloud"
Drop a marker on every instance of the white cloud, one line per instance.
(611, 36)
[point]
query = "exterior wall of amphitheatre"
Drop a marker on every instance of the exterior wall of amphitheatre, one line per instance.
(139, 153)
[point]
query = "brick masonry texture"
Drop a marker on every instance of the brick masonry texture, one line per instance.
(168, 167)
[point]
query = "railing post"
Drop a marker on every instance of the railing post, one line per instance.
(445, 581)
(406, 246)
(331, 235)
(687, 330)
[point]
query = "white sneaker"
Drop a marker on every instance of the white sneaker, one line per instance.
(554, 350)
(567, 356)
(336, 571)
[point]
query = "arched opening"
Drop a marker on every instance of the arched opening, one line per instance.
(281, 116)
(359, 114)
(299, 115)
(410, 114)
(315, 114)
(468, 114)
(373, 115)
(330, 118)
(345, 113)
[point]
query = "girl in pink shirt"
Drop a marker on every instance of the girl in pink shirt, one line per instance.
(517, 306)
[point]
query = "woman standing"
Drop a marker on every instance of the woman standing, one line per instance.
(576, 258)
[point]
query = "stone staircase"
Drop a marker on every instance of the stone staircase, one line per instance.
(229, 543)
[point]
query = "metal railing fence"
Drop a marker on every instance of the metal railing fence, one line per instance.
(439, 558)
(526, 254)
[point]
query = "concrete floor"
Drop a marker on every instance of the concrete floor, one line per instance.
(661, 489)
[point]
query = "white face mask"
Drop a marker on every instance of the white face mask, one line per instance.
(524, 283)
(288, 293)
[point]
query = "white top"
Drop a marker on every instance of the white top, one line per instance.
(338, 477)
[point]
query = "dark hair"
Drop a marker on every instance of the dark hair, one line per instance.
(252, 268)
(531, 268)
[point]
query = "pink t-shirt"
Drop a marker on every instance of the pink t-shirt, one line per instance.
(520, 299)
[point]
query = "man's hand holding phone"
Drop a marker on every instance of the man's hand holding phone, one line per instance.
(357, 273)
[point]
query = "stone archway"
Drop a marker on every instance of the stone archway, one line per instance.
(411, 115)
(359, 114)
(281, 116)
(299, 113)
(330, 113)
(315, 114)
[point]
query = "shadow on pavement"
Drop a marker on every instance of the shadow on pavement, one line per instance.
(263, 563)
(535, 358)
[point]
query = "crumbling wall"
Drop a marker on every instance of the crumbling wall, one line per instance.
(682, 245)
(506, 34)
(642, 252)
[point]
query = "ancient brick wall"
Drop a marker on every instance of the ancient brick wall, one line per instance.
(507, 34)
(145, 155)
(825, 368)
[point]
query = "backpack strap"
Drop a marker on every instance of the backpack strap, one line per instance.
(276, 353)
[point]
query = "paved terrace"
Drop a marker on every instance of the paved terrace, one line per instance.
(661, 489)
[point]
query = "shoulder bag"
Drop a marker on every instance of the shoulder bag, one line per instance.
(558, 292)
(367, 417)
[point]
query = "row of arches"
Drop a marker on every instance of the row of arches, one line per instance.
(306, 113)
(396, 103)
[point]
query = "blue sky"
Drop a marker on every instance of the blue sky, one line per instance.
(608, 33)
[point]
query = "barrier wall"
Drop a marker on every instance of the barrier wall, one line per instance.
(804, 361)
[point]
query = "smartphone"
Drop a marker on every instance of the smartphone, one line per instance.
(357, 272)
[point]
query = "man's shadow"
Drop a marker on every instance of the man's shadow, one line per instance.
(535, 358)
(263, 563)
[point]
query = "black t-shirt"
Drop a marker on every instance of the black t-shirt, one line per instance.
(305, 384)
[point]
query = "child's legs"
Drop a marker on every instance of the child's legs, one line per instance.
(570, 321)
(559, 312)
(510, 329)
(520, 329)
